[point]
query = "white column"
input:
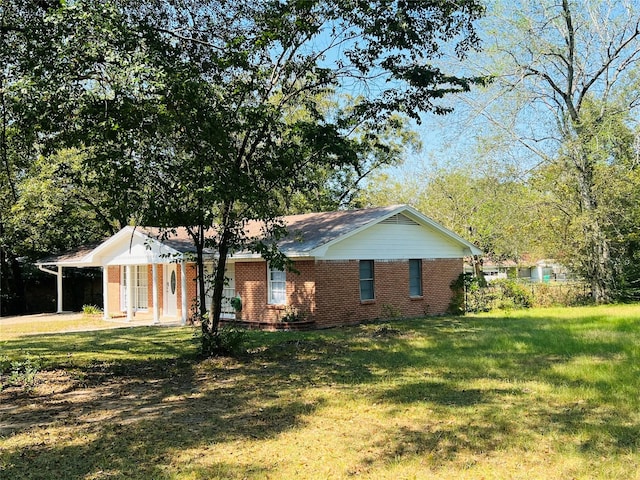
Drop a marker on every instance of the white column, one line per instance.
(105, 292)
(183, 283)
(59, 288)
(129, 274)
(156, 307)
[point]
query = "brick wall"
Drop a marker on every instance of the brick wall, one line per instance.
(437, 277)
(192, 289)
(325, 291)
(338, 290)
(251, 285)
(113, 290)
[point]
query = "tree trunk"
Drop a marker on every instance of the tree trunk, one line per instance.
(219, 280)
(201, 294)
(597, 261)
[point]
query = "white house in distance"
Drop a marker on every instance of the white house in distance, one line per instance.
(351, 266)
(535, 271)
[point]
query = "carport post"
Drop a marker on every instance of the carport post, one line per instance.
(129, 274)
(183, 282)
(105, 292)
(156, 307)
(59, 288)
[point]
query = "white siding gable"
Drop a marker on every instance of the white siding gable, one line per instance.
(397, 237)
(139, 250)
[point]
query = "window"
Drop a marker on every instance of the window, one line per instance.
(366, 280)
(140, 287)
(415, 278)
(277, 286)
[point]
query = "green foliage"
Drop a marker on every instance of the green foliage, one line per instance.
(91, 310)
(228, 340)
(20, 372)
(565, 294)
(236, 303)
(469, 295)
(514, 294)
(510, 294)
(292, 314)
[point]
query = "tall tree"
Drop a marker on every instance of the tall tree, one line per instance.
(204, 114)
(258, 70)
(611, 147)
(21, 24)
(489, 206)
(559, 57)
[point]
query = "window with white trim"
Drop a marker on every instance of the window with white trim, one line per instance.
(415, 278)
(366, 280)
(277, 281)
(139, 275)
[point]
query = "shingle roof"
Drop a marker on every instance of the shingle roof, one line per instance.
(312, 230)
(305, 231)
(71, 257)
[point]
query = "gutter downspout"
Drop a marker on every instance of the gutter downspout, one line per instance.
(58, 274)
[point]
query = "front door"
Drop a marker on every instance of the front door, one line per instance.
(171, 290)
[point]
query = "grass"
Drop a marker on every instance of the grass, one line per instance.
(530, 394)
(13, 327)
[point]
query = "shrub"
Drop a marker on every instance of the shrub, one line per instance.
(292, 314)
(514, 294)
(470, 295)
(229, 340)
(91, 310)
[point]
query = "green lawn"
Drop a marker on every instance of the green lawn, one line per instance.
(530, 394)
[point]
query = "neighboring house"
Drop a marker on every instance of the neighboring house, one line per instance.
(539, 271)
(352, 266)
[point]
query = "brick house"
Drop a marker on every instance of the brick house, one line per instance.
(351, 266)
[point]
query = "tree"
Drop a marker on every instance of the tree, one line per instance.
(561, 58)
(258, 131)
(207, 114)
(21, 23)
(487, 205)
(615, 185)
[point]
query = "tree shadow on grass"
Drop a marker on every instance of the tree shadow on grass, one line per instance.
(129, 420)
(130, 417)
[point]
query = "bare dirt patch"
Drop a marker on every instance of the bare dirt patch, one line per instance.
(91, 395)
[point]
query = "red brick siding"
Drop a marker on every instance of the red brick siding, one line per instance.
(192, 288)
(113, 289)
(326, 291)
(301, 288)
(251, 285)
(338, 293)
(437, 277)
(338, 290)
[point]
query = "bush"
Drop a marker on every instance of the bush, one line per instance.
(565, 294)
(229, 340)
(514, 294)
(91, 310)
(292, 314)
(470, 295)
